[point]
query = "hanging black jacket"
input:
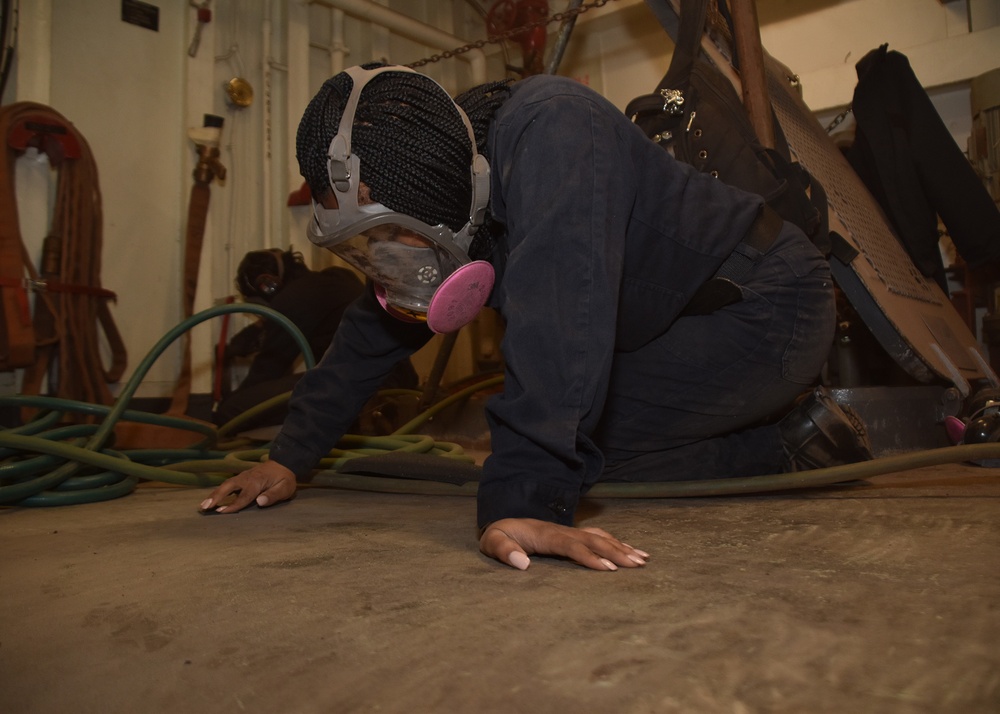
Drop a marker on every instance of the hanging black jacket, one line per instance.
(910, 162)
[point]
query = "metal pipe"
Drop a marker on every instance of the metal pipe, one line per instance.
(563, 39)
(413, 29)
(337, 49)
(265, 32)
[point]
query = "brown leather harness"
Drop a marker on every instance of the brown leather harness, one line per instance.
(70, 303)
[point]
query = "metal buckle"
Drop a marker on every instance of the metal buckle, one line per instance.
(673, 101)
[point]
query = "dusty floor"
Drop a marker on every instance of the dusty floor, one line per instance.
(883, 597)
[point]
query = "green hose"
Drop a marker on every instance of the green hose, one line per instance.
(45, 464)
(690, 489)
(121, 471)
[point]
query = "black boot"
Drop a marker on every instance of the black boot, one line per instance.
(819, 433)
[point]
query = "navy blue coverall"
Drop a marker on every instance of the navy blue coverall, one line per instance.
(607, 239)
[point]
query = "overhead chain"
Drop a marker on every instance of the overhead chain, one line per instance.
(837, 120)
(508, 34)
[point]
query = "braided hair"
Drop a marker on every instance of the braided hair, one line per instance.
(412, 143)
(480, 104)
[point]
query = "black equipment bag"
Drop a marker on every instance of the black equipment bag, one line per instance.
(697, 115)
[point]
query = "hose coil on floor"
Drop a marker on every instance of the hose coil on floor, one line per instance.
(47, 463)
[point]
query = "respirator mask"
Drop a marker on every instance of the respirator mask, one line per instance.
(422, 272)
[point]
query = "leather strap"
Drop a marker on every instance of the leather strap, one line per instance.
(17, 337)
(758, 239)
(690, 27)
(195, 235)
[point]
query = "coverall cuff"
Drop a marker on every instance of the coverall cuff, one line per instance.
(525, 499)
(292, 456)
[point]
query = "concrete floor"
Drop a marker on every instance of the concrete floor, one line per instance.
(883, 597)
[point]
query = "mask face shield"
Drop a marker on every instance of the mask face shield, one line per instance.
(408, 260)
(407, 268)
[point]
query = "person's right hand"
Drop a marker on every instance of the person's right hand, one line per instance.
(512, 540)
(266, 483)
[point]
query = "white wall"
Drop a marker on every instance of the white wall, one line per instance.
(824, 45)
(947, 43)
(122, 87)
(134, 93)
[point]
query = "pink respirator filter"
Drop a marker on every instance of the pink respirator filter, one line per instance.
(460, 298)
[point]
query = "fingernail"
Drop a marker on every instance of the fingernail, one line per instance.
(262, 500)
(221, 509)
(608, 564)
(643, 553)
(636, 559)
(205, 504)
(519, 560)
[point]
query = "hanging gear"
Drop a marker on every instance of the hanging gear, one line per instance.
(208, 168)
(697, 115)
(71, 307)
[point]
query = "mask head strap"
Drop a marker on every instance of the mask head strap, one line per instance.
(343, 167)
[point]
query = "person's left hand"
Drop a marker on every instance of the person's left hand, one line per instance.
(512, 540)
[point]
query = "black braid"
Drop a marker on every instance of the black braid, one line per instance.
(316, 130)
(414, 149)
(480, 104)
(412, 143)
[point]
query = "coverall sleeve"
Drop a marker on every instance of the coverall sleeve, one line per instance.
(328, 397)
(565, 195)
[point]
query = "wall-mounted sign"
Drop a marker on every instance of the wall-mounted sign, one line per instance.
(142, 14)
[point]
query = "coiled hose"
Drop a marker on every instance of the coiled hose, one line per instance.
(44, 463)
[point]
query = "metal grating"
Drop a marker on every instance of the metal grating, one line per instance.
(907, 312)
